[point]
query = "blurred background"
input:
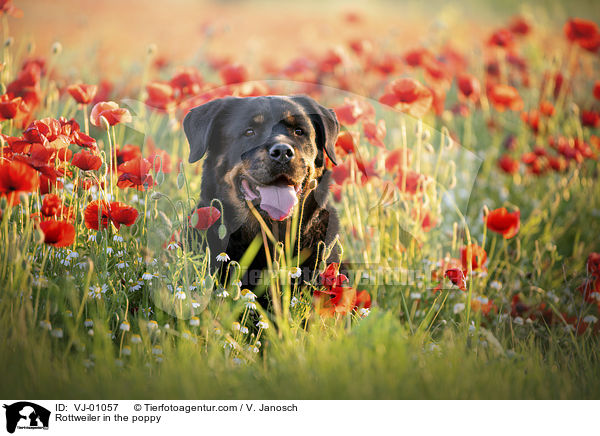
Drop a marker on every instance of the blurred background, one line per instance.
(112, 36)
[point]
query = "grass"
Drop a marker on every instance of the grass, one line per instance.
(105, 317)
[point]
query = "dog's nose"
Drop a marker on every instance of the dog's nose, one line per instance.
(282, 153)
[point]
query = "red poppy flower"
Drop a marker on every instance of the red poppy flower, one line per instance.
(159, 157)
(128, 152)
(593, 264)
(121, 214)
(58, 233)
(354, 110)
(468, 87)
(342, 172)
(336, 191)
(331, 276)
(83, 94)
(346, 141)
(15, 178)
(558, 163)
(135, 173)
(363, 300)
(473, 254)
(98, 214)
(457, 276)
(160, 96)
(519, 26)
(546, 108)
(375, 133)
(10, 108)
(395, 159)
(503, 222)
(47, 183)
(207, 216)
(86, 161)
(27, 85)
(508, 164)
(111, 112)
(597, 89)
(233, 73)
(580, 31)
(408, 95)
(485, 306)
(412, 182)
(504, 97)
(502, 38)
(336, 300)
(187, 81)
(51, 205)
(590, 118)
(415, 57)
(7, 7)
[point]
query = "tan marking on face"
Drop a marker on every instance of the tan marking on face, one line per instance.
(289, 118)
(232, 191)
(260, 118)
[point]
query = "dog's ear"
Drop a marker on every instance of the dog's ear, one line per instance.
(199, 126)
(325, 123)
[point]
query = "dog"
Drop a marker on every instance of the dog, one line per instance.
(266, 153)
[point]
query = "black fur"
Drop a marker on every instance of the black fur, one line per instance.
(218, 131)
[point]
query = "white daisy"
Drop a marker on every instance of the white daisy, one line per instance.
(147, 276)
(236, 326)
(244, 330)
(172, 246)
(262, 324)
(136, 339)
(72, 255)
(518, 320)
(152, 325)
(195, 321)
(122, 265)
(590, 319)
(195, 304)
(118, 238)
(222, 257)
(92, 238)
(295, 273)
(125, 326)
(180, 295)
(250, 305)
(248, 295)
(223, 293)
(126, 351)
(45, 324)
(364, 312)
(157, 350)
(293, 302)
(88, 323)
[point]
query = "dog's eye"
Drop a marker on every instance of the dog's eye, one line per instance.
(249, 132)
(299, 132)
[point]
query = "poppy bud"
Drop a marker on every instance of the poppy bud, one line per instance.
(56, 48)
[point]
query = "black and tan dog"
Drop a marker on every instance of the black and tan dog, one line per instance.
(268, 151)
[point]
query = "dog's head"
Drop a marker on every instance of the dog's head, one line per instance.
(265, 150)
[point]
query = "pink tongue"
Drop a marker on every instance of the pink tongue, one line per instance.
(277, 200)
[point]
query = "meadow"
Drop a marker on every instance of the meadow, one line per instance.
(467, 188)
